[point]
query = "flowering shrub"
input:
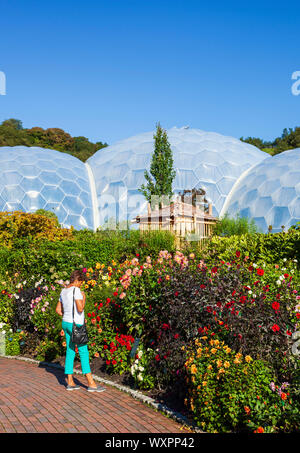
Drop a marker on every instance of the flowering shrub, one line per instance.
(19, 224)
(47, 350)
(141, 368)
(229, 391)
(106, 341)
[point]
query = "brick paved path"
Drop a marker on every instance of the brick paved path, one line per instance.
(34, 399)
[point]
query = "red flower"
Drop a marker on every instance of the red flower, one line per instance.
(275, 328)
(176, 293)
(286, 275)
(238, 254)
(89, 315)
(275, 305)
(157, 358)
(288, 332)
(202, 286)
(176, 336)
(260, 271)
(137, 254)
(107, 362)
(250, 268)
(214, 270)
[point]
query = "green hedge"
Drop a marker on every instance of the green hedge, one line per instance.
(270, 248)
(55, 260)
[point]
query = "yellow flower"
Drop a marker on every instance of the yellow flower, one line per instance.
(219, 363)
(248, 358)
(222, 370)
(213, 350)
(236, 361)
(98, 265)
(209, 367)
(203, 338)
(226, 364)
(204, 383)
(193, 369)
(86, 286)
(109, 268)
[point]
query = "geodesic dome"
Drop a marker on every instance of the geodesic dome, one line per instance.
(37, 178)
(202, 160)
(269, 192)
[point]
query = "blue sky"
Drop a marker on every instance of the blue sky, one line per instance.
(111, 69)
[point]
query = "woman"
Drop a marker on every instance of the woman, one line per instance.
(64, 308)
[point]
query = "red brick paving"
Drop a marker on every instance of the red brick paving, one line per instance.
(34, 399)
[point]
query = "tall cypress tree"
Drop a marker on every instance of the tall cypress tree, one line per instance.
(162, 173)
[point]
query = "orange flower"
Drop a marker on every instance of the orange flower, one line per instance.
(64, 344)
(283, 396)
(247, 410)
(260, 429)
(96, 354)
(62, 333)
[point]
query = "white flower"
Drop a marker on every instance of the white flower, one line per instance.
(140, 353)
(278, 282)
(249, 292)
(281, 277)
(140, 377)
(284, 259)
(254, 265)
(141, 368)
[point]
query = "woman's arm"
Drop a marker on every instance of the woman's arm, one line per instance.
(80, 303)
(59, 308)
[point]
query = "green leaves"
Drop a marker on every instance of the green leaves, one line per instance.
(162, 174)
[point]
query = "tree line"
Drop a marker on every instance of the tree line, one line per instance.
(290, 139)
(12, 133)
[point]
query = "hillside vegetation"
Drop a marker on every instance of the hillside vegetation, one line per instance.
(12, 133)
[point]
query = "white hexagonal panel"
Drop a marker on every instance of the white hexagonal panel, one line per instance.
(269, 193)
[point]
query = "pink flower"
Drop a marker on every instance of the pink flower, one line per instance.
(84, 269)
(122, 295)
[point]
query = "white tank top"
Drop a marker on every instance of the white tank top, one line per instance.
(66, 298)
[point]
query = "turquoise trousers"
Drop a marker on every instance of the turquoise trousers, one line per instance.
(70, 352)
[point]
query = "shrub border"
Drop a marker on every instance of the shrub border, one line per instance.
(134, 393)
